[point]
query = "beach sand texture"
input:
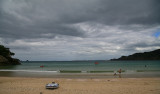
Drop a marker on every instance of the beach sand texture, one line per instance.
(19, 85)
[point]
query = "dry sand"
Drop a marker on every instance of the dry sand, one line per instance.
(19, 85)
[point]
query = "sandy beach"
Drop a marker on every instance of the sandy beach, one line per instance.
(21, 85)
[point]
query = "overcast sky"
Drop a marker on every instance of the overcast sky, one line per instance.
(79, 29)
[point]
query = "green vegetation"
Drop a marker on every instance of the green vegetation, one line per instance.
(5, 57)
(153, 55)
(5, 51)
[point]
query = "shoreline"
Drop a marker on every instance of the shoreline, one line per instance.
(31, 85)
(76, 75)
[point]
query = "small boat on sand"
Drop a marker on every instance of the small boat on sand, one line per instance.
(52, 85)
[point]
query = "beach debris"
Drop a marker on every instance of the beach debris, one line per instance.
(41, 93)
(52, 85)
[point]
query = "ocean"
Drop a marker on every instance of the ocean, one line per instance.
(151, 68)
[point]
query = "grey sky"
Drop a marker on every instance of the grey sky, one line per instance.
(79, 29)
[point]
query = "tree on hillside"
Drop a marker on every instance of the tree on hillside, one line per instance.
(5, 51)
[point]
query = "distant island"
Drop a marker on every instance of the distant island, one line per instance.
(5, 57)
(153, 55)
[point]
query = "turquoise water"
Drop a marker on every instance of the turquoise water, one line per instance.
(86, 66)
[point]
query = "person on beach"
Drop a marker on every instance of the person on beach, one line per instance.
(115, 74)
(120, 70)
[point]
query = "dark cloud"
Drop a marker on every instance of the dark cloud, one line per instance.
(79, 26)
(28, 18)
(130, 12)
(144, 45)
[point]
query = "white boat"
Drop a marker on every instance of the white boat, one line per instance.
(52, 85)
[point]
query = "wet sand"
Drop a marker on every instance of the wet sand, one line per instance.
(22, 85)
(77, 75)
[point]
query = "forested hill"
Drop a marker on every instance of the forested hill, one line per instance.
(5, 57)
(153, 55)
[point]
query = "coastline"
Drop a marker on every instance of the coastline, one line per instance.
(31, 85)
(46, 74)
(26, 80)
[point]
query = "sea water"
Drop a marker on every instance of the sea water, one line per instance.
(127, 67)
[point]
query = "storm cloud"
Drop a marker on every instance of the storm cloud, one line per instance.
(79, 29)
